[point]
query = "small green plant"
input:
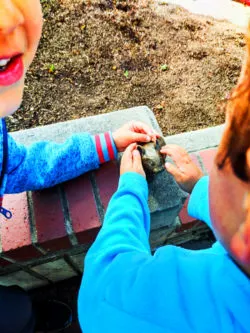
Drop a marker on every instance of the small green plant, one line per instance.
(52, 69)
(126, 73)
(164, 67)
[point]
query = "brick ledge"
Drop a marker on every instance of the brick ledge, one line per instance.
(34, 253)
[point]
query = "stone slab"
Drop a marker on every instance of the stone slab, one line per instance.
(164, 192)
(23, 279)
(55, 270)
(78, 260)
(96, 124)
(198, 140)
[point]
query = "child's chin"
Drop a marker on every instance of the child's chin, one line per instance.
(10, 101)
(9, 111)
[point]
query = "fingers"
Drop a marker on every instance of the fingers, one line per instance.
(127, 155)
(174, 149)
(127, 159)
(128, 151)
(131, 161)
(137, 163)
(140, 127)
(138, 137)
(177, 153)
(137, 159)
(174, 171)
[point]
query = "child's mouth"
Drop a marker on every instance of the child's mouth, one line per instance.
(11, 70)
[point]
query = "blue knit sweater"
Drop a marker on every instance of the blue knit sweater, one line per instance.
(44, 164)
(126, 289)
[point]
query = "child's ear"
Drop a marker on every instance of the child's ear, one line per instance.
(248, 162)
(240, 242)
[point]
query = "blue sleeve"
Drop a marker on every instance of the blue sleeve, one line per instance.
(127, 289)
(198, 206)
(45, 164)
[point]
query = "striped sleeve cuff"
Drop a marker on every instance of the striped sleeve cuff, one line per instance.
(105, 147)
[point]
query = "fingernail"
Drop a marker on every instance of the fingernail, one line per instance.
(167, 165)
(136, 152)
(148, 138)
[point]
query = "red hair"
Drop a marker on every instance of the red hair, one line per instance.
(236, 140)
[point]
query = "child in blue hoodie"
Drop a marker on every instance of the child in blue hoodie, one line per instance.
(126, 289)
(42, 164)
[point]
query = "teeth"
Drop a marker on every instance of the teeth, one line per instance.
(4, 62)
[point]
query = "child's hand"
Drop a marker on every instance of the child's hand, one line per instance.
(185, 171)
(131, 161)
(134, 131)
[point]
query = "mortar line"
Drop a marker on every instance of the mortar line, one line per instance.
(27, 270)
(203, 148)
(32, 224)
(66, 214)
(201, 163)
(97, 197)
(71, 263)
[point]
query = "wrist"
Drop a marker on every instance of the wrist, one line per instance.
(105, 147)
(116, 140)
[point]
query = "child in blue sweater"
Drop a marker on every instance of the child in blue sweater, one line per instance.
(126, 289)
(42, 164)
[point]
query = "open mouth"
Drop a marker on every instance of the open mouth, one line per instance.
(11, 70)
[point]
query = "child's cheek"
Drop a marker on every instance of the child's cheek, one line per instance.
(33, 22)
(33, 35)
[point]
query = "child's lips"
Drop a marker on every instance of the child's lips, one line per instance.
(13, 71)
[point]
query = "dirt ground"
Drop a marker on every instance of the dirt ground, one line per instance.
(103, 55)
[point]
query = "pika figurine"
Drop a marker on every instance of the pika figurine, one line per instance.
(152, 160)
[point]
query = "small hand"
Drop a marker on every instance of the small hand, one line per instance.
(131, 161)
(185, 171)
(134, 131)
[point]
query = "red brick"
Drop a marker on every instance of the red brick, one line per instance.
(15, 233)
(195, 159)
(49, 220)
(82, 208)
(107, 178)
(183, 215)
(207, 157)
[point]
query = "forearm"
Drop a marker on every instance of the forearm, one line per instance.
(45, 164)
(198, 206)
(127, 223)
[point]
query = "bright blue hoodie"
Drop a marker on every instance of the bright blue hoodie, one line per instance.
(126, 289)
